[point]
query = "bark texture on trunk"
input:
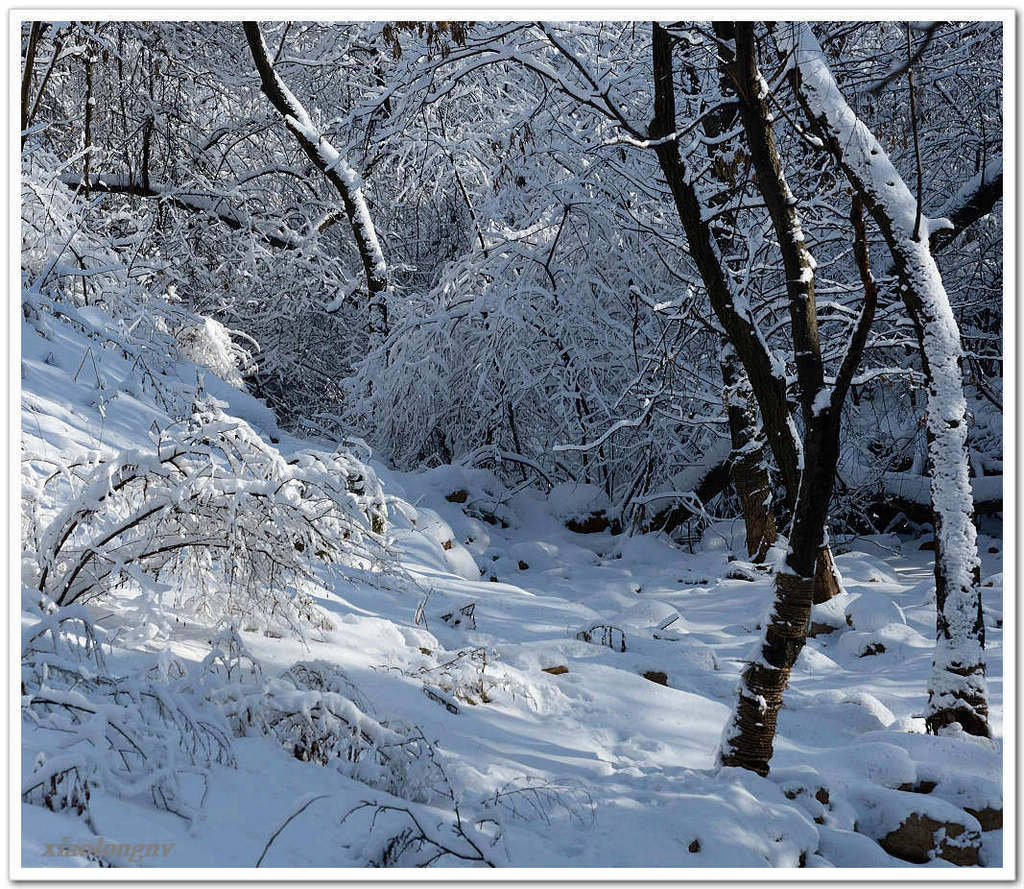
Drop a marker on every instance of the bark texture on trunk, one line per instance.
(797, 261)
(828, 582)
(766, 377)
(748, 467)
(749, 736)
(87, 129)
(807, 570)
(807, 467)
(798, 264)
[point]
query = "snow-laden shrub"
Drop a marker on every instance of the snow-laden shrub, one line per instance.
(138, 737)
(67, 254)
(213, 509)
(72, 271)
(53, 230)
(497, 366)
(533, 798)
(209, 343)
(155, 734)
(318, 714)
(59, 648)
(405, 836)
(327, 677)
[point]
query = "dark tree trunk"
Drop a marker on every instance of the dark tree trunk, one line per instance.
(769, 387)
(748, 468)
(29, 114)
(748, 464)
(798, 263)
(828, 582)
(87, 134)
(749, 740)
(35, 30)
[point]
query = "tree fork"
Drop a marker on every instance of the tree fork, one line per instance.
(769, 388)
(749, 738)
(798, 263)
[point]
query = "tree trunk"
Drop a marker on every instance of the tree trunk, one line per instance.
(748, 741)
(35, 30)
(767, 384)
(767, 381)
(828, 582)
(798, 263)
(748, 467)
(749, 738)
(748, 464)
(87, 130)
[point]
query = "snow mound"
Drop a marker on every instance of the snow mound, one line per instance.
(868, 611)
(570, 500)
(890, 640)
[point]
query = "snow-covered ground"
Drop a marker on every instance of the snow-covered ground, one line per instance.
(555, 751)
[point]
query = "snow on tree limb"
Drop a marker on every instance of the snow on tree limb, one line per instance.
(957, 689)
(333, 165)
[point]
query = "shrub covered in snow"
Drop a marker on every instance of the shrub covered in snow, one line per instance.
(214, 508)
(209, 343)
(137, 737)
(154, 736)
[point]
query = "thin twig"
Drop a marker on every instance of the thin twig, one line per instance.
(288, 821)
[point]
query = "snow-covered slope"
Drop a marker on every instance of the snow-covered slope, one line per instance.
(531, 746)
